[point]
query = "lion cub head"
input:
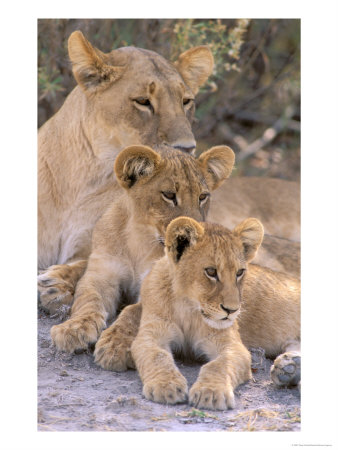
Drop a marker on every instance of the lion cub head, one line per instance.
(208, 265)
(167, 184)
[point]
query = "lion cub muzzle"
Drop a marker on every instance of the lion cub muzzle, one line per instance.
(228, 311)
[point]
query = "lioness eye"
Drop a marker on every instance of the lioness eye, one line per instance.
(211, 272)
(240, 273)
(143, 101)
(203, 197)
(171, 196)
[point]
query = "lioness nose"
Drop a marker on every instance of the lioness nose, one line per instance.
(229, 311)
(184, 143)
(186, 148)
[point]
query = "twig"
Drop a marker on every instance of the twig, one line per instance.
(229, 135)
(250, 116)
(268, 135)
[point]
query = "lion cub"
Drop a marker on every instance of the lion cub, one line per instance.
(129, 237)
(191, 299)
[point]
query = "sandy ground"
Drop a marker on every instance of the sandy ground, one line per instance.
(74, 394)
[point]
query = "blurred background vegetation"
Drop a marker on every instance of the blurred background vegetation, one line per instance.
(251, 102)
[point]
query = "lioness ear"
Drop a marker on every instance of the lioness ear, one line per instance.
(90, 67)
(181, 234)
(217, 164)
(134, 163)
(251, 233)
(195, 66)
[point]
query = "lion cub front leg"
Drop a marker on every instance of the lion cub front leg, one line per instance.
(285, 371)
(162, 381)
(56, 286)
(96, 298)
(214, 388)
(113, 349)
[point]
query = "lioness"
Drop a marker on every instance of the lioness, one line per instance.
(156, 187)
(125, 97)
(128, 96)
(190, 300)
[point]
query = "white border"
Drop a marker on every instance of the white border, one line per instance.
(319, 222)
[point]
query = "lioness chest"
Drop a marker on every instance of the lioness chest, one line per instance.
(67, 234)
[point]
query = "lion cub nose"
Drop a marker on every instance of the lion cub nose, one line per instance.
(229, 311)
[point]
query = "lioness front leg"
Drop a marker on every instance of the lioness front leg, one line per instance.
(162, 381)
(96, 298)
(214, 388)
(56, 286)
(113, 349)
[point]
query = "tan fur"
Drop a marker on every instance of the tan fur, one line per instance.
(269, 318)
(100, 117)
(156, 188)
(56, 286)
(279, 254)
(186, 307)
(270, 313)
(275, 202)
(78, 145)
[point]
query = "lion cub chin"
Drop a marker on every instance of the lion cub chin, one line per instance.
(191, 299)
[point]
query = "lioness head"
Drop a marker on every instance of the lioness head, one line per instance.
(209, 264)
(165, 185)
(135, 96)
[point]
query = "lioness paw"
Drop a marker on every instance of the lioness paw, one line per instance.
(285, 370)
(173, 390)
(211, 397)
(112, 351)
(55, 292)
(76, 333)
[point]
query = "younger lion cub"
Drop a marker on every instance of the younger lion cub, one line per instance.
(191, 299)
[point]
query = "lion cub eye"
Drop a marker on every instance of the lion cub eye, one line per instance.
(239, 273)
(211, 273)
(187, 101)
(170, 196)
(204, 197)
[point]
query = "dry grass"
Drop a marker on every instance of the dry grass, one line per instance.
(262, 419)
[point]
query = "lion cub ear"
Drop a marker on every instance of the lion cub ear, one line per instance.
(182, 233)
(195, 66)
(134, 163)
(89, 64)
(217, 164)
(251, 233)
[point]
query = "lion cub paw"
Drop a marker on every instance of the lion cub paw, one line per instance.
(55, 292)
(285, 370)
(204, 396)
(112, 351)
(77, 333)
(172, 390)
